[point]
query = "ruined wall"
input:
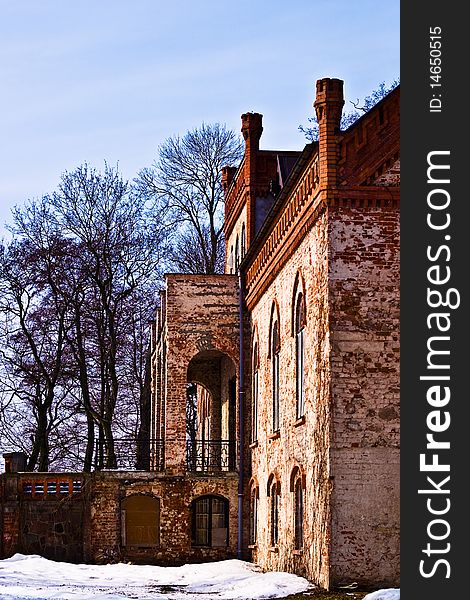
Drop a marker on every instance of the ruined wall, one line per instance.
(175, 494)
(201, 321)
(87, 525)
(364, 321)
(301, 443)
(43, 515)
(9, 516)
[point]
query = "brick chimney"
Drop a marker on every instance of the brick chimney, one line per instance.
(252, 128)
(328, 105)
(15, 462)
(227, 177)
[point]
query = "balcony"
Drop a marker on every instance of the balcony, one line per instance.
(210, 456)
(131, 455)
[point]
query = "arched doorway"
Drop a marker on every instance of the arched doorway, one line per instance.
(211, 413)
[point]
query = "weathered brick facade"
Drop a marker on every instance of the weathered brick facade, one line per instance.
(333, 236)
(275, 403)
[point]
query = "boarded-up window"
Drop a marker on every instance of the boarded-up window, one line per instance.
(140, 518)
(210, 521)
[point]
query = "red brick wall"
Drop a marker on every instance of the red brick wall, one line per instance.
(176, 495)
(34, 519)
(88, 527)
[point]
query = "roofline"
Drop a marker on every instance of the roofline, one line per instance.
(305, 155)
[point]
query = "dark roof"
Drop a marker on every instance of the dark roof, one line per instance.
(285, 164)
(298, 160)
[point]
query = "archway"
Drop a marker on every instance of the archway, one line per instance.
(211, 412)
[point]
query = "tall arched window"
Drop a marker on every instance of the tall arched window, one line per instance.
(230, 262)
(274, 492)
(209, 521)
(275, 351)
(300, 355)
(237, 254)
(299, 514)
(254, 413)
(254, 514)
(243, 240)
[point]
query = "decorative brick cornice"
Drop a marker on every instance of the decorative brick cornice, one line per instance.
(297, 217)
(293, 220)
(371, 144)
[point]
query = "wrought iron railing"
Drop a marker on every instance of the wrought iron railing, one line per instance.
(130, 455)
(210, 456)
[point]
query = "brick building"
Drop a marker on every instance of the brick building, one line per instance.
(275, 413)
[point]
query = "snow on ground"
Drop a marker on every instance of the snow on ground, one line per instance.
(35, 578)
(388, 594)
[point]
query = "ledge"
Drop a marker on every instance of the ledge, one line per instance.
(274, 549)
(254, 444)
(253, 546)
(299, 421)
(274, 435)
(297, 552)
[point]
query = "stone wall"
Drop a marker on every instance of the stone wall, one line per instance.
(43, 515)
(88, 525)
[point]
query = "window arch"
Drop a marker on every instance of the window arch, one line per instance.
(274, 492)
(243, 241)
(254, 499)
(297, 486)
(255, 392)
(300, 354)
(275, 352)
(209, 517)
(237, 253)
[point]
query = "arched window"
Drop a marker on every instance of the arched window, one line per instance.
(255, 392)
(274, 492)
(243, 242)
(300, 355)
(254, 498)
(237, 254)
(275, 350)
(209, 516)
(230, 262)
(299, 514)
(140, 521)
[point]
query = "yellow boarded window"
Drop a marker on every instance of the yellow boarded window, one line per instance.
(140, 518)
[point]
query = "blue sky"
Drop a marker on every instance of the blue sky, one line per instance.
(109, 80)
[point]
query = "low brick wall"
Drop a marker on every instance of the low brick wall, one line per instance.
(78, 517)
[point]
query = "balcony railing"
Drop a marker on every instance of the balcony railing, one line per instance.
(131, 455)
(210, 456)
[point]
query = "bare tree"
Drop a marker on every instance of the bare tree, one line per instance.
(35, 324)
(185, 184)
(78, 283)
(119, 251)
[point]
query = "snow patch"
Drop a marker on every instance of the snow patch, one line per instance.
(386, 594)
(31, 577)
